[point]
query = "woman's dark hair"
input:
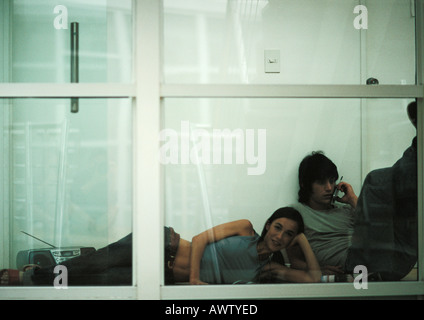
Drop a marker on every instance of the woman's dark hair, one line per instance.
(285, 212)
(314, 167)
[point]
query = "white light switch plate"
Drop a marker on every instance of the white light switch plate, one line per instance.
(272, 61)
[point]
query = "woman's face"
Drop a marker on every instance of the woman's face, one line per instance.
(280, 233)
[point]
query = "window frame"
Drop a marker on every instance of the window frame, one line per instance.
(347, 290)
(148, 92)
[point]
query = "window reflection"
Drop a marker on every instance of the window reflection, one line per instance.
(38, 47)
(201, 194)
(66, 178)
(318, 42)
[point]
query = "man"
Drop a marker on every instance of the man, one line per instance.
(378, 230)
(385, 238)
(328, 224)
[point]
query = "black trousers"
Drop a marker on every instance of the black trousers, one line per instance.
(111, 265)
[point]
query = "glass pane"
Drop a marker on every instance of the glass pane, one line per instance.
(66, 183)
(231, 159)
(289, 42)
(37, 42)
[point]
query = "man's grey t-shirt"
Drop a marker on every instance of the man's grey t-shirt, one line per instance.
(329, 232)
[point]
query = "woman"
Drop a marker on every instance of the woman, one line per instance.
(233, 252)
(228, 253)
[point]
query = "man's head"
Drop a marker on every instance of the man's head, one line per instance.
(316, 170)
(412, 112)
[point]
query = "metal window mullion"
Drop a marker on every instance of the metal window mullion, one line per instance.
(70, 293)
(292, 290)
(419, 20)
(147, 240)
(290, 91)
(69, 90)
(90, 90)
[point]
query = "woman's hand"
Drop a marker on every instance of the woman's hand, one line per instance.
(312, 272)
(298, 240)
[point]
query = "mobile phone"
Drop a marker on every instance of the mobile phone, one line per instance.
(336, 191)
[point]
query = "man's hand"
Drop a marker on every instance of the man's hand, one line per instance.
(349, 196)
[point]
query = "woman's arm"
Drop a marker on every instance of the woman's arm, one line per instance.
(199, 243)
(312, 272)
(297, 261)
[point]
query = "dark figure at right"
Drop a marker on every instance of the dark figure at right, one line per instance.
(385, 237)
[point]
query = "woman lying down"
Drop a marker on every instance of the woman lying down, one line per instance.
(226, 254)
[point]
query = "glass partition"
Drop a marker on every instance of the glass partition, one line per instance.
(289, 42)
(231, 159)
(68, 174)
(66, 178)
(66, 41)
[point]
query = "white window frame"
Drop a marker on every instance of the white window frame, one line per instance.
(148, 92)
(278, 291)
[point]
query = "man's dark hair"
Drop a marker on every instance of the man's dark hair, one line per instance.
(314, 167)
(412, 112)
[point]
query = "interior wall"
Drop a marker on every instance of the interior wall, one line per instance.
(201, 195)
(389, 56)
(224, 42)
(219, 41)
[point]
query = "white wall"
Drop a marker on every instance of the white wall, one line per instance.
(214, 41)
(389, 56)
(223, 42)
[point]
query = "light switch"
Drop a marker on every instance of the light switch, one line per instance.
(272, 61)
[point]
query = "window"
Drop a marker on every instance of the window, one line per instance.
(66, 176)
(67, 133)
(217, 86)
(40, 45)
(293, 74)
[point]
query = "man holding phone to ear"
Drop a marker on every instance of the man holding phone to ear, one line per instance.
(329, 219)
(378, 230)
